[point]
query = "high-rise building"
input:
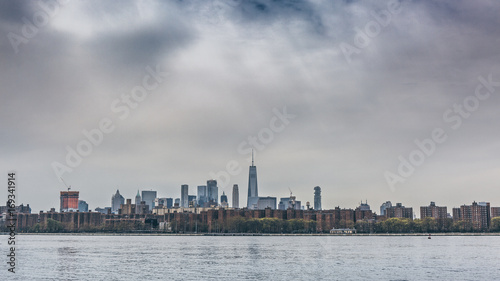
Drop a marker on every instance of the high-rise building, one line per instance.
(148, 196)
(399, 211)
(202, 195)
(177, 202)
(434, 211)
(236, 196)
(495, 212)
(223, 200)
(384, 206)
(212, 192)
(138, 198)
(223, 197)
(83, 206)
(478, 214)
(317, 198)
(253, 190)
(69, 201)
(168, 203)
(116, 201)
(184, 196)
(192, 201)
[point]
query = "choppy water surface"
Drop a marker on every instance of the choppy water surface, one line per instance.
(254, 258)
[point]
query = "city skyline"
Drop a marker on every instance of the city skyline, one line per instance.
(381, 100)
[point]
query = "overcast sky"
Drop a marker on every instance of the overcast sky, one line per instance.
(359, 82)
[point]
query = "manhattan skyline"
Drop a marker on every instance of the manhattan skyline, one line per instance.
(294, 82)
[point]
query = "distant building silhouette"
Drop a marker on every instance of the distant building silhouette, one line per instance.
(317, 198)
(138, 198)
(83, 206)
(212, 192)
(236, 196)
(253, 190)
(202, 195)
(184, 195)
(116, 201)
(384, 206)
(149, 196)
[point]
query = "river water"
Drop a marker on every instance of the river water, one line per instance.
(61, 257)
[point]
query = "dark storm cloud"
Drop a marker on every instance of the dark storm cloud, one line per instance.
(232, 62)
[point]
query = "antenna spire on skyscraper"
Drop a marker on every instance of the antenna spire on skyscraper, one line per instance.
(252, 156)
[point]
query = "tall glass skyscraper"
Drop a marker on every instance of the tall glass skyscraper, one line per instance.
(253, 191)
(202, 195)
(212, 191)
(236, 197)
(184, 196)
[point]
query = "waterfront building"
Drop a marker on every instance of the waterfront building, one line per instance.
(149, 196)
(433, 211)
(83, 206)
(495, 212)
(116, 201)
(384, 206)
(399, 211)
(184, 196)
(69, 201)
(202, 195)
(317, 198)
(236, 196)
(478, 214)
(212, 192)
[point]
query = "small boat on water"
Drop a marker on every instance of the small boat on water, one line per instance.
(429, 236)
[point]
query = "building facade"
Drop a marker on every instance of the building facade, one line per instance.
(236, 197)
(69, 201)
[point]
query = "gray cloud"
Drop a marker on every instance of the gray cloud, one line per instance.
(231, 63)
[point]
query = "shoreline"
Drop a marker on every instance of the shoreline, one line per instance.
(255, 234)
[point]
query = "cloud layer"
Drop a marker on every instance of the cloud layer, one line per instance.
(230, 63)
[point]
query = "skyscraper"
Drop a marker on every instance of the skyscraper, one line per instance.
(212, 191)
(116, 201)
(202, 195)
(184, 196)
(138, 198)
(223, 199)
(253, 191)
(236, 196)
(317, 198)
(149, 196)
(69, 201)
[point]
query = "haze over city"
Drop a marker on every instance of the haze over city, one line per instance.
(335, 95)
